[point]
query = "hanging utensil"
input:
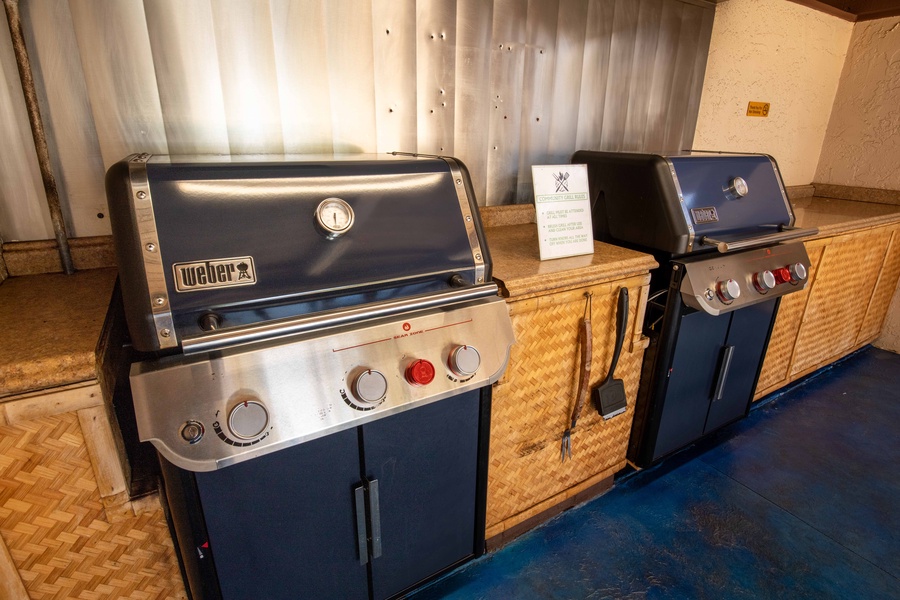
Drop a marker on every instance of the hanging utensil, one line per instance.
(609, 397)
(585, 340)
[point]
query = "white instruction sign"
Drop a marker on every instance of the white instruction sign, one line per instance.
(563, 210)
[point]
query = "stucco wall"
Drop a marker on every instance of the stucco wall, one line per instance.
(777, 52)
(862, 144)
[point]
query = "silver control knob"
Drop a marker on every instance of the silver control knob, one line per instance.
(738, 187)
(728, 290)
(764, 281)
(798, 272)
(464, 361)
(248, 419)
(370, 387)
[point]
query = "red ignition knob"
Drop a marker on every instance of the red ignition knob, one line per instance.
(782, 275)
(420, 372)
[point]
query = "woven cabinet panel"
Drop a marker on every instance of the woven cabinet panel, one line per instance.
(54, 524)
(884, 291)
(533, 403)
(777, 363)
(839, 298)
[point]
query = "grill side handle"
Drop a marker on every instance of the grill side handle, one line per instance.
(762, 240)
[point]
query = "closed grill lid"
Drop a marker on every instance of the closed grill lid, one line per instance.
(239, 237)
(669, 203)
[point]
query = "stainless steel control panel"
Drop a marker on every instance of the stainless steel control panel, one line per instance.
(727, 282)
(211, 410)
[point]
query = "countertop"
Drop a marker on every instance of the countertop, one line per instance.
(834, 217)
(520, 272)
(51, 325)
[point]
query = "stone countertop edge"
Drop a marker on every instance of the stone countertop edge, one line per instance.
(51, 326)
(520, 272)
(835, 217)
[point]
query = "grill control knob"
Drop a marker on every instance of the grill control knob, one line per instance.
(420, 372)
(798, 272)
(728, 290)
(763, 281)
(782, 275)
(248, 419)
(370, 387)
(464, 361)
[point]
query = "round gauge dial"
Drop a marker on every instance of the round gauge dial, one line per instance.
(334, 216)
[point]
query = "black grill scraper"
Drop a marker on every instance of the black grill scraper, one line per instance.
(609, 396)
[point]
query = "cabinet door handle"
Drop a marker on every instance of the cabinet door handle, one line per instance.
(375, 517)
(724, 365)
(362, 532)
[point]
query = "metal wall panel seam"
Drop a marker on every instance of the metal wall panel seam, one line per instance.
(699, 74)
(648, 29)
(507, 74)
(595, 74)
(567, 80)
(68, 122)
(474, 19)
(435, 70)
(619, 75)
(114, 47)
(246, 52)
(394, 36)
(662, 76)
(541, 29)
(349, 54)
(20, 176)
(688, 41)
(190, 91)
(304, 92)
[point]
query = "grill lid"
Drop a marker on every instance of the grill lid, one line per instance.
(684, 203)
(222, 242)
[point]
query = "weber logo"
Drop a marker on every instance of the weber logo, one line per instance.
(705, 215)
(215, 273)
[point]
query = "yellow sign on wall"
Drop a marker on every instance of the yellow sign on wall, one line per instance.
(758, 109)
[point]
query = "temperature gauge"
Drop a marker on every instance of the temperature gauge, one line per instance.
(334, 217)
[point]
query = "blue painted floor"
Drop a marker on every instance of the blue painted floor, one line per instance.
(799, 500)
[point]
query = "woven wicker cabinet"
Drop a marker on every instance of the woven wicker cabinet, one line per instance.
(67, 528)
(851, 282)
(533, 401)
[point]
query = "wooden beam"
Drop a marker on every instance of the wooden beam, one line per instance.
(827, 8)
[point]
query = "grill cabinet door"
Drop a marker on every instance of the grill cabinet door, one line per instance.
(283, 525)
(690, 407)
(425, 462)
(690, 380)
(748, 335)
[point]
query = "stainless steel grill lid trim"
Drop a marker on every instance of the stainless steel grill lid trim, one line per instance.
(465, 207)
(784, 196)
(684, 209)
(139, 187)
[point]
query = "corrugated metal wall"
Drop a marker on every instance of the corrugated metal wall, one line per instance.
(501, 84)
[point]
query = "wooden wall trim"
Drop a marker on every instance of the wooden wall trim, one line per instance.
(827, 8)
(46, 403)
